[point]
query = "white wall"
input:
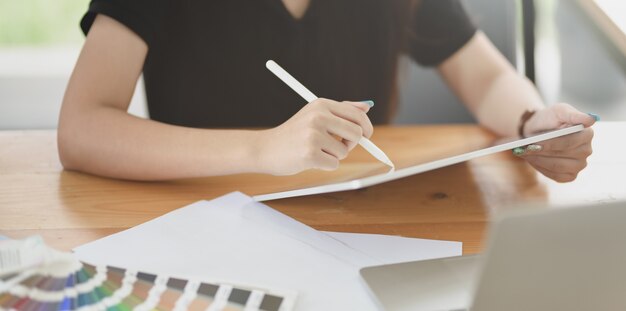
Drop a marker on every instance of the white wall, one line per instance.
(32, 84)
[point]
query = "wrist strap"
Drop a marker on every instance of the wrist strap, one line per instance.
(522, 122)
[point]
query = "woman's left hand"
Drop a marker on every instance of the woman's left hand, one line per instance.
(564, 157)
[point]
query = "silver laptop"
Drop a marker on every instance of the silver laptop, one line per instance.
(566, 259)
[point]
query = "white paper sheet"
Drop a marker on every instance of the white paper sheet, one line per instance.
(392, 249)
(235, 239)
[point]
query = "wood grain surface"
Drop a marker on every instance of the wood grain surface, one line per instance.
(455, 203)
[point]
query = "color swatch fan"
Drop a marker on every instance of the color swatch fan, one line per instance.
(33, 277)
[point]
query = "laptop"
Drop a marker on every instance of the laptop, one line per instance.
(558, 259)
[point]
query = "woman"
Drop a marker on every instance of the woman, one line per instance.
(203, 65)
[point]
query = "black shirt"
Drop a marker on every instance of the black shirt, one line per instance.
(206, 60)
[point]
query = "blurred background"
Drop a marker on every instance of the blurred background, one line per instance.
(574, 51)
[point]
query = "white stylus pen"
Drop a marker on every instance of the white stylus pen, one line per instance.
(283, 75)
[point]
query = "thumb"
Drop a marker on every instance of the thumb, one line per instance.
(570, 115)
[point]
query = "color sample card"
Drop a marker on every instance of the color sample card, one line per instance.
(110, 288)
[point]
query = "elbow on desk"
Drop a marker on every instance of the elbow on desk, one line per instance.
(72, 150)
(65, 143)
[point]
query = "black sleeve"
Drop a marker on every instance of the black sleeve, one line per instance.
(439, 29)
(140, 16)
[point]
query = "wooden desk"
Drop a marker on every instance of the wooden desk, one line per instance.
(454, 203)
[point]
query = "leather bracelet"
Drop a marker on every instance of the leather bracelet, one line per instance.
(522, 122)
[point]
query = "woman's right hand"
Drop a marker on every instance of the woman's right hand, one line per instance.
(317, 137)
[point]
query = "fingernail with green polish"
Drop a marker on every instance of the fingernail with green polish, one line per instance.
(534, 147)
(369, 103)
(519, 151)
(595, 116)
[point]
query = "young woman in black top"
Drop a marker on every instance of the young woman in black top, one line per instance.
(203, 65)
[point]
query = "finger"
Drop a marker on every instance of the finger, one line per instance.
(326, 162)
(557, 164)
(350, 144)
(365, 105)
(559, 177)
(334, 147)
(354, 115)
(321, 117)
(570, 115)
(582, 151)
(565, 143)
(345, 129)
(523, 151)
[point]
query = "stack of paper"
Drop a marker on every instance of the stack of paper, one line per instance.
(236, 239)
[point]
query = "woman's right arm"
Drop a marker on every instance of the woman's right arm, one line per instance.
(96, 134)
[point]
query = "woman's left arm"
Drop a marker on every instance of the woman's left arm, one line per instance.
(498, 97)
